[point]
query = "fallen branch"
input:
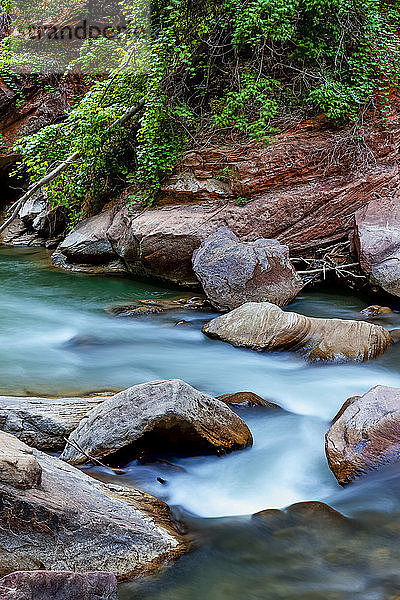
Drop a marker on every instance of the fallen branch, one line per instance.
(92, 459)
(62, 166)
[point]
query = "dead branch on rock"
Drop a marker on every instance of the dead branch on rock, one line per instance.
(64, 165)
(334, 258)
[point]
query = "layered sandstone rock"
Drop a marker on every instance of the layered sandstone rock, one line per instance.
(303, 190)
(156, 418)
(44, 423)
(265, 326)
(365, 434)
(60, 585)
(377, 242)
(67, 521)
(232, 272)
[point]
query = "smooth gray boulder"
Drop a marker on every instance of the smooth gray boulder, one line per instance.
(232, 272)
(157, 418)
(58, 585)
(18, 466)
(44, 423)
(71, 522)
(265, 326)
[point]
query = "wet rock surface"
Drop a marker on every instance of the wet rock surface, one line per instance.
(70, 522)
(247, 399)
(156, 306)
(365, 434)
(157, 418)
(44, 423)
(63, 585)
(264, 326)
(232, 272)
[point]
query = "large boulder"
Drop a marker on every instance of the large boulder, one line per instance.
(365, 434)
(58, 585)
(377, 242)
(71, 522)
(232, 272)
(88, 247)
(44, 423)
(18, 466)
(156, 418)
(265, 326)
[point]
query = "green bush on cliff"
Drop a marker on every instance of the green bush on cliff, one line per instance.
(234, 69)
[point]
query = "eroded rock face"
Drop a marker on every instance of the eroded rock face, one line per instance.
(302, 191)
(265, 326)
(71, 522)
(156, 418)
(18, 466)
(365, 434)
(232, 272)
(63, 585)
(44, 423)
(377, 242)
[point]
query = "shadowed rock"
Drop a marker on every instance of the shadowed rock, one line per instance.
(18, 467)
(232, 272)
(365, 434)
(264, 326)
(44, 423)
(157, 418)
(71, 522)
(62, 585)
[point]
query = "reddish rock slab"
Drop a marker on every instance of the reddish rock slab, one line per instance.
(365, 434)
(377, 242)
(58, 585)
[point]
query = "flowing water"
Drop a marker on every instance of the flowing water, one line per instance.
(58, 340)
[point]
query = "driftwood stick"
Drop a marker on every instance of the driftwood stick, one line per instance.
(66, 163)
(92, 459)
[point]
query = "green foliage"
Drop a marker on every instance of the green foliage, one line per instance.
(242, 201)
(229, 67)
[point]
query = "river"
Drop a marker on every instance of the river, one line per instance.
(58, 340)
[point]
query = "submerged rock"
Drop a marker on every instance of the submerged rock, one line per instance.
(247, 399)
(311, 517)
(377, 242)
(376, 311)
(365, 434)
(265, 326)
(71, 522)
(58, 585)
(44, 423)
(156, 418)
(156, 305)
(232, 272)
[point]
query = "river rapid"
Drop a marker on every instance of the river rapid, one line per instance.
(58, 340)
